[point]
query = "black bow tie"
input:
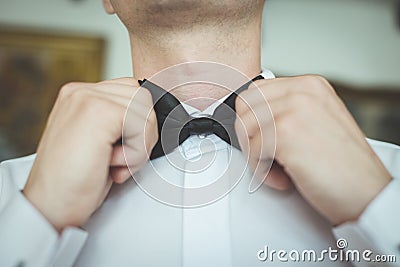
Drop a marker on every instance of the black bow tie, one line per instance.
(175, 125)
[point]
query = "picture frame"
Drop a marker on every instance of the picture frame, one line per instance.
(34, 64)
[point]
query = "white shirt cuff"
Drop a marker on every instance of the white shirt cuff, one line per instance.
(28, 239)
(378, 227)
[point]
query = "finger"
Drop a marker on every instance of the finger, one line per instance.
(139, 108)
(107, 187)
(277, 178)
(313, 85)
(257, 119)
(263, 91)
(297, 103)
(304, 87)
(136, 158)
(139, 137)
(135, 93)
(269, 172)
(122, 87)
(90, 93)
(123, 81)
(309, 110)
(265, 169)
(119, 174)
(132, 94)
(118, 157)
(261, 169)
(121, 94)
(260, 158)
(115, 110)
(123, 90)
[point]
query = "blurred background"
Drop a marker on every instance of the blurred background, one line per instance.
(46, 43)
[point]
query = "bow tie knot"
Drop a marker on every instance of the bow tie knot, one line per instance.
(201, 126)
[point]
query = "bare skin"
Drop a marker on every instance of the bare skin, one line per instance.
(86, 122)
(319, 147)
(75, 168)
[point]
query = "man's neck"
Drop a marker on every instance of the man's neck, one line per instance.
(237, 47)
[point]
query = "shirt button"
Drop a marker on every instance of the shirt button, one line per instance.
(202, 136)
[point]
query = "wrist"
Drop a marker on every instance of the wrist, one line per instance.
(44, 205)
(360, 201)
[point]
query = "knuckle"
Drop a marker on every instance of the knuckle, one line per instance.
(152, 127)
(253, 131)
(285, 126)
(92, 107)
(155, 139)
(67, 89)
(146, 95)
(252, 128)
(152, 118)
(87, 104)
(319, 85)
(79, 95)
(314, 79)
(238, 126)
(151, 141)
(241, 105)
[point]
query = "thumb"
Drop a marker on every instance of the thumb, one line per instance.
(277, 178)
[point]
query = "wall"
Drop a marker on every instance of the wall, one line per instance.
(87, 17)
(352, 41)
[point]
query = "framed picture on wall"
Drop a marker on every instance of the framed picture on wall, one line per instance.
(33, 67)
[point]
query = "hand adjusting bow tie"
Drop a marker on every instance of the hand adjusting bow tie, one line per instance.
(175, 125)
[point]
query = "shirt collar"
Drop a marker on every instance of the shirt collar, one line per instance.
(194, 112)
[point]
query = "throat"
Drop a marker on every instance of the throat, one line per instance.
(199, 96)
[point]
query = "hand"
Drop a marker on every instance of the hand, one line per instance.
(78, 159)
(319, 147)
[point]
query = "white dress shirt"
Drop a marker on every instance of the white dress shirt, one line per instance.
(133, 229)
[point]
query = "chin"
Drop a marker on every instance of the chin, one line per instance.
(144, 16)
